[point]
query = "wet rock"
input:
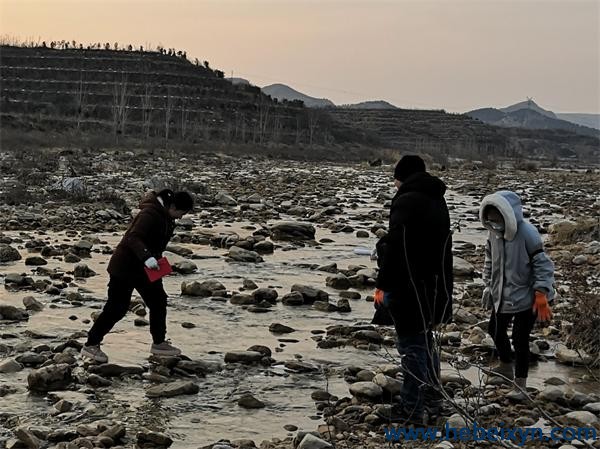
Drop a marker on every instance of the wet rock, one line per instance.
(563, 355)
(32, 304)
(388, 384)
(246, 357)
(264, 350)
(456, 421)
(324, 306)
(371, 336)
(264, 247)
(8, 312)
(31, 359)
(147, 439)
(35, 261)
(293, 299)
(28, 438)
(188, 325)
(238, 254)
(362, 234)
(8, 253)
(290, 230)
(462, 268)
(581, 418)
(10, 366)
(350, 295)
(171, 389)
(224, 199)
(49, 378)
(343, 306)
(98, 381)
(81, 270)
(300, 367)
(462, 315)
(202, 289)
(249, 401)
(329, 268)
(338, 282)
(366, 390)
(199, 367)
(554, 381)
(184, 267)
(266, 294)
(243, 300)
(140, 322)
(312, 442)
(593, 407)
(278, 328)
(114, 370)
(249, 285)
(63, 406)
(310, 294)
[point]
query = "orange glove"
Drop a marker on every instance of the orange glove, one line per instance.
(541, 307)
(378, 297)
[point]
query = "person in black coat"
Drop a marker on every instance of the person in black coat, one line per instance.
(414, 283)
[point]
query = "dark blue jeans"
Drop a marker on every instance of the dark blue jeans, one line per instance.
(421, 367)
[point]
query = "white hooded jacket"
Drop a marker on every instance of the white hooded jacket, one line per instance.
(515, 262)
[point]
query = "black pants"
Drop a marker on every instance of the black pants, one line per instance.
(522, 325)
(117, 305)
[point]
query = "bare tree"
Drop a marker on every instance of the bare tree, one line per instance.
(120, 106)
(313, 120)
(169, 104)
(146, 110)
(80, 99)
(184, 116)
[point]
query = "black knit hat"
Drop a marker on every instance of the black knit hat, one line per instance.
(408, 165)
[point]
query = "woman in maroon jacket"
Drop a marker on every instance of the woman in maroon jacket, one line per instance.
(141, 246)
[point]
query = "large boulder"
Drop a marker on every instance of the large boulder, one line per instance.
(8, 312)
(171, 389)
(8, 253)
(310, 294)
(238, 254)
(366, 390)
(338, 281)
(50, 378)
(202, 289)
(247, 357)
(462, 268)
(291, 230)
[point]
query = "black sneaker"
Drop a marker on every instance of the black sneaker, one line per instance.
(398, 413)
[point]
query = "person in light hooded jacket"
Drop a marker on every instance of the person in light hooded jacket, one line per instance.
(519, 283)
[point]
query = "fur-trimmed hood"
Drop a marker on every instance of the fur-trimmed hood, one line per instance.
(509, 205)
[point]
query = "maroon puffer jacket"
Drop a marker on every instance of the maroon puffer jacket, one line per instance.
(147, 236)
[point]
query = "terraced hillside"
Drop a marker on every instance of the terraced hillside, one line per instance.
(437, 132)
(143, 93)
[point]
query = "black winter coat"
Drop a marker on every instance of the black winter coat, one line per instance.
(415, 257)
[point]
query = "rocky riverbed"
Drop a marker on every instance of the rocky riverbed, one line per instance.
(269, 302)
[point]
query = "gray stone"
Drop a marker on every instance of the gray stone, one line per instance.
(581, 418)
(310, 294)
(461, 267)
(10, 366)
(50, 378)
(388, 384)
(593, 407)
(98, 381)
(224, 199)
(366, 390)
(290, 230)
(147, 439)
(265, 294)
(249, 401)
(247, 357)
(35, 261)
(338, 282)
(81, 270)
(32, 304)
(171, 389)
(278, 328)
(456, 421)
(184, 267)
(312, 442)
(114, 370)
(28, 438)
(264, 247)
(293, 299)
(238, 254)
(202, 289)
(8, 253)
(8, 312)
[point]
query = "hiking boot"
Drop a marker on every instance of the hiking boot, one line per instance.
(94, 353)
(502, 373)
(519, 391)
(165, 349)
(398, 413)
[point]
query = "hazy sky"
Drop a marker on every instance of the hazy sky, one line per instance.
(451, 54)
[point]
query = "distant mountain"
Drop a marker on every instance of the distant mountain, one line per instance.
(529, 115)
(283, 92)
(589, 120)
(528, 104)
(377, 104)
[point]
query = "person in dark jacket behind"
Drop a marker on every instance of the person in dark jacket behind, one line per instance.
(415, 282)
(141, 246)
